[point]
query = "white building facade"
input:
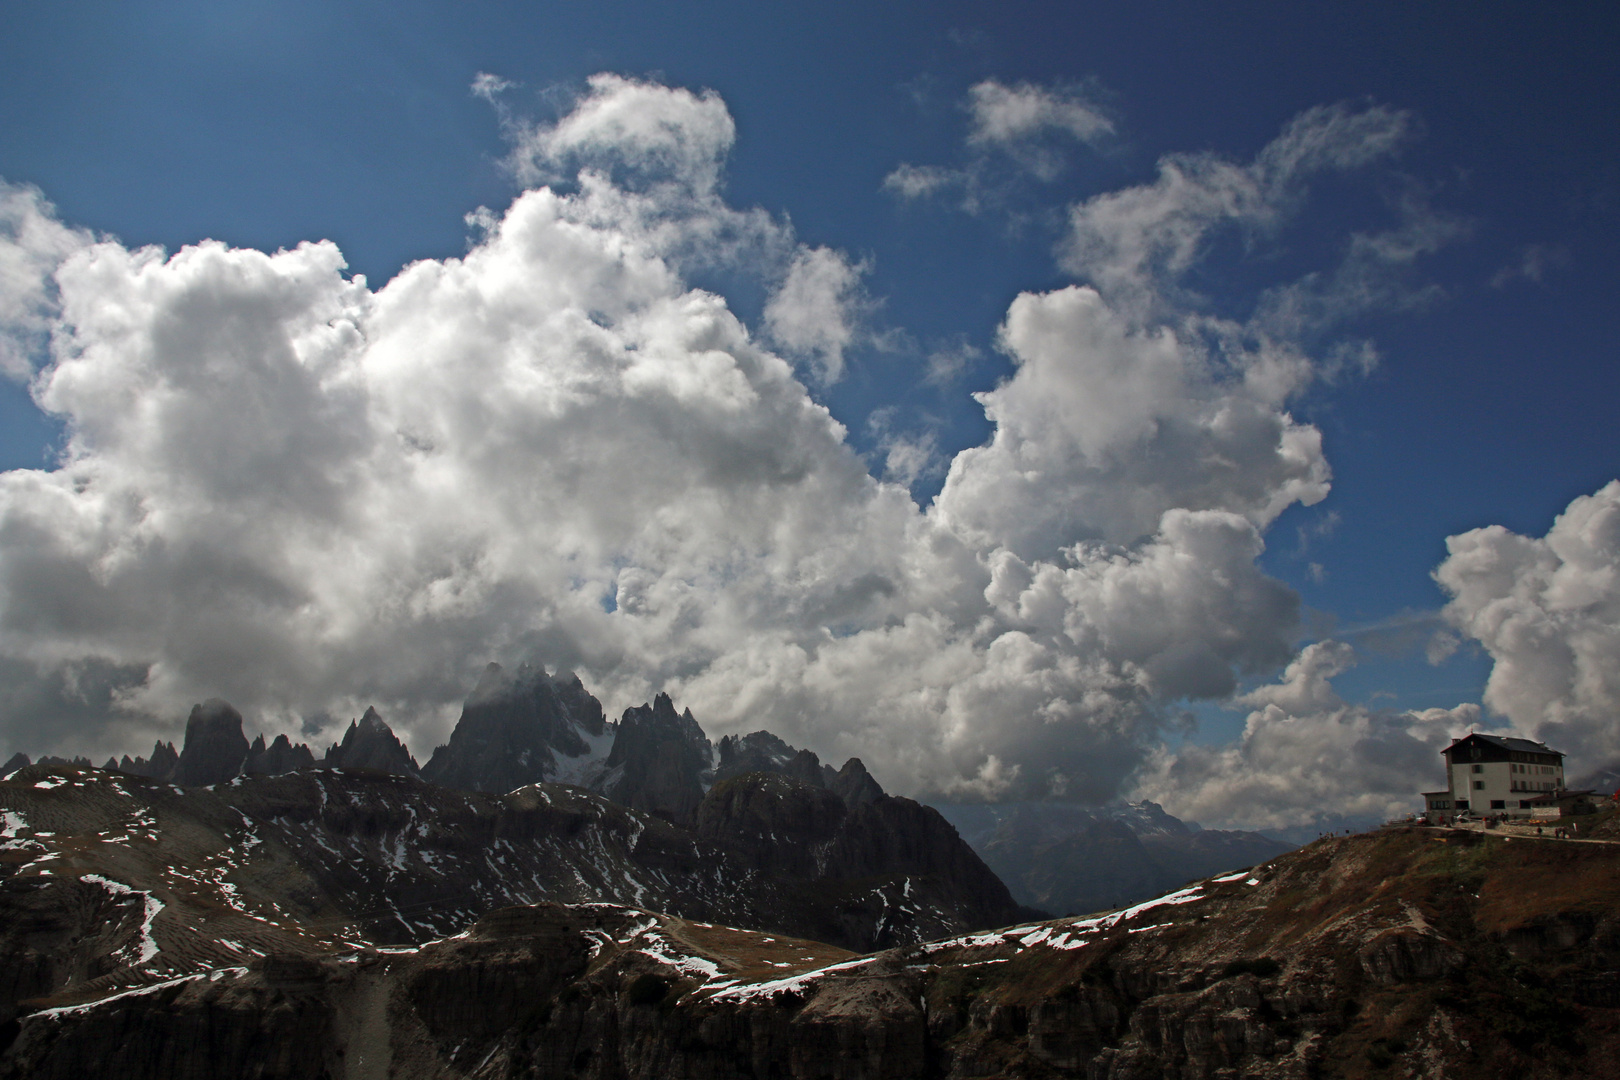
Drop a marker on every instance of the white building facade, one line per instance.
(1492, 776)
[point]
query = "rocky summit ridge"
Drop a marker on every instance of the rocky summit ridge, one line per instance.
(1401, 954)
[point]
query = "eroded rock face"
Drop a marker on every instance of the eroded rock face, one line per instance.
(515, 729)
(281, 756)
(397, 860)
(659, 762)
(215, 748)
(854, 784)
(160, 766)
(785, 824)
(796, 831)
(369, 744)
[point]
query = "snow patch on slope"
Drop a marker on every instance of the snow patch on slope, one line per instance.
(152, 905)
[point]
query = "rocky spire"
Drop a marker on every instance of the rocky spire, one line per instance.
(659, 762)
(513, 728)
(371, 744)
(215, 747)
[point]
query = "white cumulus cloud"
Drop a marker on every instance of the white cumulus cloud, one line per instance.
(32, 244)
(1306, 755)
(1017, 119)
(817, 309)
(305, 494)
(1547, 611)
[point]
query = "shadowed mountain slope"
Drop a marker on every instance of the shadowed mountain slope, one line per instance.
(1403, 954)
(328, 856)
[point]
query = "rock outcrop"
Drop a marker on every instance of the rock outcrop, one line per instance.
(854, 784)
(521, 728)
(369, 744)
(398, 860)
(215, 748)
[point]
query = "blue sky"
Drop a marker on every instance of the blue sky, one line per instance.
(263, 125)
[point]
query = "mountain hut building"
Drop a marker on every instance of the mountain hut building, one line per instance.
(1494, 776)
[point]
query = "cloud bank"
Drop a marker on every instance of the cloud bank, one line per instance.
(288, 488)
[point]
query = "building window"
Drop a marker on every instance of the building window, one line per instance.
(1479, 785)
(1479, 768)
(1498, 804)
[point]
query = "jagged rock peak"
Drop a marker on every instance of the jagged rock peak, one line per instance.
(660, 761)
(159, 767)
(281, 756)
(18, 761)
(519, 728)
(215, 748)
(371, 744)
(760, 751)
(854, 784)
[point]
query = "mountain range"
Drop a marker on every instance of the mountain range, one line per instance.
(395, 854)
(524, 727)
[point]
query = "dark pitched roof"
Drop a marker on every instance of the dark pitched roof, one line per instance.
(1548, 798)
(1521, 745)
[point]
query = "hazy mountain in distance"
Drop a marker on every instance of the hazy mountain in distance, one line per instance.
(1064, 857)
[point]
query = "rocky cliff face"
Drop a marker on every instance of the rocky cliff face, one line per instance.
(215, 747)
(520, 728)
(160, 766)
(1393, 955)
(328, 855)
(281, 756)
(660, 762)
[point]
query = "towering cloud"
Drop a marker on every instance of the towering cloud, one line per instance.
(1547, 611)
(288, 489)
